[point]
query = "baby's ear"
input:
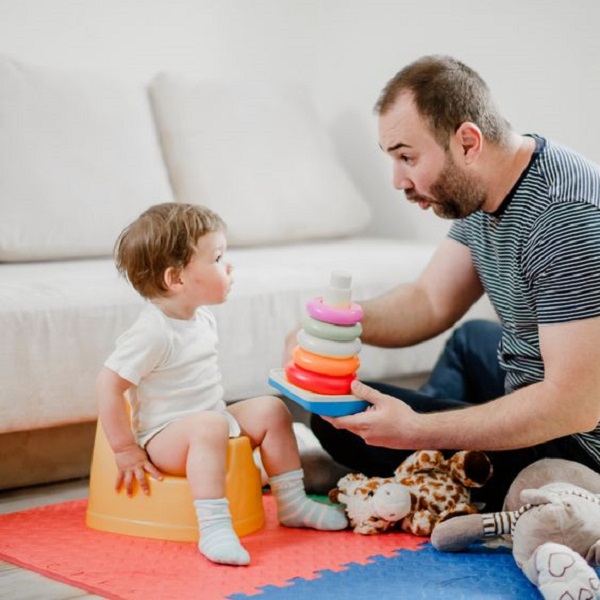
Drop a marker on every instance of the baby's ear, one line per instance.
(172, 278)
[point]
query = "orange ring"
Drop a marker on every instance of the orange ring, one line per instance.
(324, 364)
(316, 382)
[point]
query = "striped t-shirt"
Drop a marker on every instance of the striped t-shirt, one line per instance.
(538, 258)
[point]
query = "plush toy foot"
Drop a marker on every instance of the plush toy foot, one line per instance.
(562, 574)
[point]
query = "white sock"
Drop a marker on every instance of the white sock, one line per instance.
(218, 541)
(295, 509)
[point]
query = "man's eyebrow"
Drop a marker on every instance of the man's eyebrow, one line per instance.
(396, 147)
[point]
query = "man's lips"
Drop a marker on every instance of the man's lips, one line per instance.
(423, 203)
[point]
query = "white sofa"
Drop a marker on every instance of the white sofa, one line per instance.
(80, 156)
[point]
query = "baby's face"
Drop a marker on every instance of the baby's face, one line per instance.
(207, 278)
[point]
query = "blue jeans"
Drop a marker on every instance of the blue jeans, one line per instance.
(466, 373)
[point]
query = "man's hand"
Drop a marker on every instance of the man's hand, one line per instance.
(133, 462)
(388, 422)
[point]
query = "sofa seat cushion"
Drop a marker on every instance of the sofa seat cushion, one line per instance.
(59, 321)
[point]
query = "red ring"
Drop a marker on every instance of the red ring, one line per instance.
(318, 383)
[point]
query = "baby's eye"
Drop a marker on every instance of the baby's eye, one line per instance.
(219, 257)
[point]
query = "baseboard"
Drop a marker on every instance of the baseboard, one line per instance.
(46, 455)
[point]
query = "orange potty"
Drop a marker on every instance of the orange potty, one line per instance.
(168, 513)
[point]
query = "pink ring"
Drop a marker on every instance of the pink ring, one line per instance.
(330, 314)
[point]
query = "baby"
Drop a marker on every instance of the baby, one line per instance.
(166, 366)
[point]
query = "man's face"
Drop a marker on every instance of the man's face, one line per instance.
(426, 172)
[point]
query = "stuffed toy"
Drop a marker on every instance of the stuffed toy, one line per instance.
(552, 518)
(373, 504)
(425, 489)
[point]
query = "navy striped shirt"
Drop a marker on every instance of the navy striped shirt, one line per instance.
(538, 258)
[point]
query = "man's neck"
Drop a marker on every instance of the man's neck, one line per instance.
(504, 167)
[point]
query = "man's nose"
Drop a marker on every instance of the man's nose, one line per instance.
(400, 180)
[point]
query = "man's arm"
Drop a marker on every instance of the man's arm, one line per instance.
(567, 401)
(417, 311)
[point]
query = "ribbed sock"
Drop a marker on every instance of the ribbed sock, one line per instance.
(295, 509)
(218, 541)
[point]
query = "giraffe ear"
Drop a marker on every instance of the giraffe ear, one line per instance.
(458, 533)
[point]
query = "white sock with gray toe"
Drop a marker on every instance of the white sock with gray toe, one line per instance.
(296, 509)
(218, 540)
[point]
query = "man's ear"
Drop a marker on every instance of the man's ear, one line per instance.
(172, 278)
(470, 139)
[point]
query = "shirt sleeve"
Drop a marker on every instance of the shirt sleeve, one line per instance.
(561, 262)
(458, 232)
(139, 351)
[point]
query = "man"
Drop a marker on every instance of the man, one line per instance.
(526, 233)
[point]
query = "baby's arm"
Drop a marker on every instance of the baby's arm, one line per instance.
(132, 461)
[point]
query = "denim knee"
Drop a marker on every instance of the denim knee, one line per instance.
(475, 329)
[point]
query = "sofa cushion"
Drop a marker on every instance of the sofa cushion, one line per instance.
(258, 155)
(60, 320)
(79, 158)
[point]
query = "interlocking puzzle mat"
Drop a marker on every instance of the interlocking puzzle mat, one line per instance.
(287, 564)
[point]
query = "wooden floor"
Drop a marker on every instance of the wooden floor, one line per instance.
(20, 584)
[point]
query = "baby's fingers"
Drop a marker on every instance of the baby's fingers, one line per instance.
(153, 471)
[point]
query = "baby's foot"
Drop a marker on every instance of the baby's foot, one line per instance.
(563, 574)
(295, 509)
(314, 515)
(218, 541)
(221, 545)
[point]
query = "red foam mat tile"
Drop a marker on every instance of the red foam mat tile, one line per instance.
(54, 541)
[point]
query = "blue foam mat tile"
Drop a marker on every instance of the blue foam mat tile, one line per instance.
(480, 573)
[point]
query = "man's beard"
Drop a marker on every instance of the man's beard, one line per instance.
(456, 194)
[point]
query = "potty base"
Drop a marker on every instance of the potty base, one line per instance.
(168, 513)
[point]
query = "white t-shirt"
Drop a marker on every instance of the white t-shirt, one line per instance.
(173, 364)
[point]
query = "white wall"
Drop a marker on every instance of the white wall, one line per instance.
(540, 58)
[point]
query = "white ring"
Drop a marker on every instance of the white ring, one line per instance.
(323, 347)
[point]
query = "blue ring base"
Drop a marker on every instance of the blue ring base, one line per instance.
(320, 404)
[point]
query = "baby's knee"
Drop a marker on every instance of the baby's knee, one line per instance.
(276, 411)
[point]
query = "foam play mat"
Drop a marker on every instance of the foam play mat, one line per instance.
(285, 563)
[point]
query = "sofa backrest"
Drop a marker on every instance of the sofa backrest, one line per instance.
(81, 155)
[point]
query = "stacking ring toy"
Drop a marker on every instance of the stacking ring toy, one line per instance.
(329, 331)
(317, 383)
(331, 348)
(325, 364)
(331, 314)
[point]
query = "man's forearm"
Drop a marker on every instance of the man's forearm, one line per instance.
(398, 318)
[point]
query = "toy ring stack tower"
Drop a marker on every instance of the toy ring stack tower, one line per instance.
(325, 361)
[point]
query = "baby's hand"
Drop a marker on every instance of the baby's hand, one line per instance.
(134, 462)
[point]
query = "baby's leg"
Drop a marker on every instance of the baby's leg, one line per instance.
(268, 424)
(196, 447)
